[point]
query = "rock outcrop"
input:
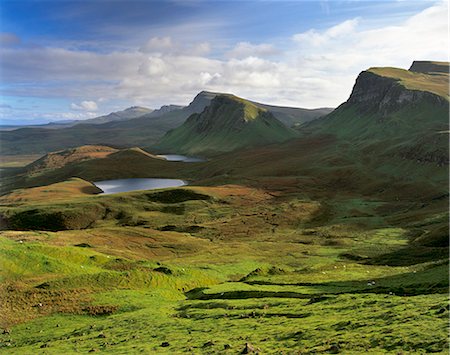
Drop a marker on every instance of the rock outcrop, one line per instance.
(382, 94)
(423, 66)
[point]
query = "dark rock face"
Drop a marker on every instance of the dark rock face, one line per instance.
(202, 100)
(419, 66)
(373, 93)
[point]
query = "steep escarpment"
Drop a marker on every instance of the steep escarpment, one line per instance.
(228, 123)
(387, 90)
(425, 66)
(394, 115)
(394, 99)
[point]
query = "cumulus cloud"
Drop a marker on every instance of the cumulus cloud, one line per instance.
(153, 66)
(85, 106)
(316, 67)
(246, 49)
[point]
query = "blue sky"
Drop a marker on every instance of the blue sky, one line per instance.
(79, 59)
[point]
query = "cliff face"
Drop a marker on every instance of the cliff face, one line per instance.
(396, 113)
(423, 66)
(374, 93)
(202, 100)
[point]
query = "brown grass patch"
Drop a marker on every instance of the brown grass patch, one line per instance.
(20, 303)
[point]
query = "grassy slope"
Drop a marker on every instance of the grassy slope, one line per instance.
(436, 84)
(138, 163)
(144, 131)
(229, 123)
(341, 245)
(135, 132)
(263, 267)
(65, 190)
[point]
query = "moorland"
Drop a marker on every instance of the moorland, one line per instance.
(302, 231)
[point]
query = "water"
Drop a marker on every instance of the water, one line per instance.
(183, 158)
(126, 185)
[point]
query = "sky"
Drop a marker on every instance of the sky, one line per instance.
(64, 60)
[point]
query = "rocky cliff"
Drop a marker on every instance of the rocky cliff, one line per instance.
(385, 91)
(423, 66)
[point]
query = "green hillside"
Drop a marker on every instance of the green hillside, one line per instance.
(334, 241)
(124, 131)
(394, 113)
(227, 124)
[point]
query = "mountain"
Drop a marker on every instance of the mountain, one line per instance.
(164, 109)
(295, 116)
(228, 123)
(122, 131)
(290, 116)
(127, 114)
(395, 112)
(428, 67)
(144, 130)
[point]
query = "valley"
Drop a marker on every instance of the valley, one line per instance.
(325, 236)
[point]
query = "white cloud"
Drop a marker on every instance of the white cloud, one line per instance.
(202, 48)
(153, 66)
(246, 49)
(157, 44)
(85, 106)
(316, 67)
(315, 38)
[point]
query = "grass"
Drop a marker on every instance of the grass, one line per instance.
(227, 124)
(436, 84)
(333, 243)
(263, 269)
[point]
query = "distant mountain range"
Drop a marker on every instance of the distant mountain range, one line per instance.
(127, 114)
(135, 126)
(389, 138)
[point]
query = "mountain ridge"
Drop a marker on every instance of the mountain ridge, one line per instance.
(144, 131)
(228, 123)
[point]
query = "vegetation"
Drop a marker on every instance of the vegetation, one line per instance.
(258, 265)
(143, 131)
(334, 242)
(227, 124)
(436, 84)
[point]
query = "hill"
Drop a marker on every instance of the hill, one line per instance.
(394, 114)
(127, 114)
(228, 123)
(278, 243)
(290, 116)
(143, 131)
(60, 159)
(425, 66)
(94, 163)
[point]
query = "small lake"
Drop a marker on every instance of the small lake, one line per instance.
(183, 158)
(126, 185)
